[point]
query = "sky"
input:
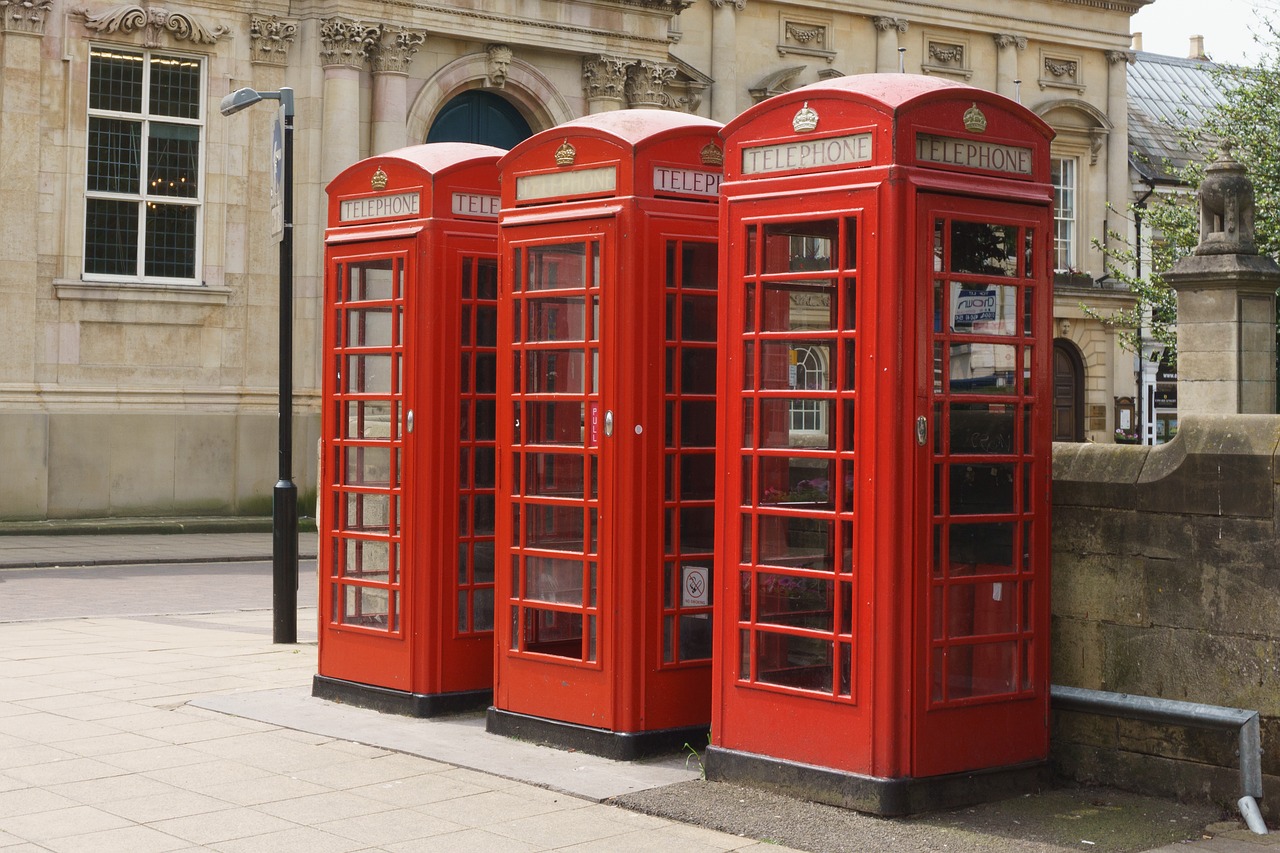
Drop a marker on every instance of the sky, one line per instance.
(1227, 26)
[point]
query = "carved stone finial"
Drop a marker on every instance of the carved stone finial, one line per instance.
(270, 40)
(24, 16)
(154, 21)
(1226, 208)
(499, 64)
(394, 48)
(346, 42)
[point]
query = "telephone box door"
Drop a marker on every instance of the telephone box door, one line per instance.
(983, 654)
(554, 574)
(363, 500)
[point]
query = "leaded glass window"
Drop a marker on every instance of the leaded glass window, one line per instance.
(143, 166)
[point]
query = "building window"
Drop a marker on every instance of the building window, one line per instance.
(810, 374)
(1064, 213)
(143, 166)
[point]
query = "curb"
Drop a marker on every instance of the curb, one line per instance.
(114, 526)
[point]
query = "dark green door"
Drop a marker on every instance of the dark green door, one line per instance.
(480, 117)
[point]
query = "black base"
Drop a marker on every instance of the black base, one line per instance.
(620, 746)
(397, 701)
(886, 797)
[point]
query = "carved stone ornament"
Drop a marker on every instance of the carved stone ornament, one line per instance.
(886, 24)
(394, 48)
(499, 64)
(711, 155)
(379, 180)
(675, 7)
(24, 16)
(805, 35)
(270, 40)
(805, 120)
(946, 54)
(1005, 40)
(153, 21)
(1227, 208)
(1060, 67)
(605, 76)
(345, 42)
(566, 154)
(735, 5)
(974, 120)
(647, 83)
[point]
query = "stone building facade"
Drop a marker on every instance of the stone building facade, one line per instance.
(138, 278)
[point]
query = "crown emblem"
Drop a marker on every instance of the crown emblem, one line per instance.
(712, 155)
(974, 120)
(379, 180)
(566, 154)
(806, 119)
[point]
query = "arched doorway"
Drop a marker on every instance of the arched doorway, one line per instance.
(1068, 392)
(481, 117)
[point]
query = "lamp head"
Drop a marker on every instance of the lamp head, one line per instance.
(238, 100)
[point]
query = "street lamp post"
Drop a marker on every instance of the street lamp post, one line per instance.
(284, 503)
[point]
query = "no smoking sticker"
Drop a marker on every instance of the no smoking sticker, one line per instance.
(695, 581)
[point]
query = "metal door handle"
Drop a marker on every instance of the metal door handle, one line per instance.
(608, 422)
(922, 430)
(408, 421)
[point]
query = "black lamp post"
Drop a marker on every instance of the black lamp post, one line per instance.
(284, 502)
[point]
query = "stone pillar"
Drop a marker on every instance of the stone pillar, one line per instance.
(345, 47)
(390, 58)
(21, 36)
(724, 58)
(1226, 303)
(1007, 49)
(887, 32)
(605, 78)
(1118, 139)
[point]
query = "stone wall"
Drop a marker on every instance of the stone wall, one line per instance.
(1166, 582)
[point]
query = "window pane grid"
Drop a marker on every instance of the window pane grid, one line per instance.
(798, 339)
(159, 239)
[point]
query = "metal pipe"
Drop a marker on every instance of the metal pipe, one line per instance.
(1156, 710)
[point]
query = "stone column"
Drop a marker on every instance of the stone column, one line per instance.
(887, 32)
(390, 58)
(1117, 141)
(724, 58)
(345, 47)
(1226, 304)
(605, 78)
(21, 37)
(1007, 49)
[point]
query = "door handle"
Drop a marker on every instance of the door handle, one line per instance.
(922, 430)
(608, 422)
(408, 421)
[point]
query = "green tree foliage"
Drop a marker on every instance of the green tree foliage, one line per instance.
(1248, 119)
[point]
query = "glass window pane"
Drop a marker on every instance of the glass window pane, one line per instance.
(114, 155)
(553, 632)
(554, 422)
(981, 489)
(111, 237)
(695, 636)
(171, 240)
(796, 482)
(984, 248)
(115, 80)
(560, 319)
(553, 580)
(697, 318)
(554, 528)
(982, 428)
(805, 663)
(175, 86)
(699, 265)
(981, 549)
(796, 602)
(983, 309)
(797, 542)
(697, 370)
(980, 368)
(556, 267)
(981, 670)
(558, 475)
(555, 372)
(979, 609)
(173, 160)
(369, 327)
(795, 246)
(799, 306)
(779, 429)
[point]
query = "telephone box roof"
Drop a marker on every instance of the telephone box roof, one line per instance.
(628, 127)
(887, 93)
(434, 157)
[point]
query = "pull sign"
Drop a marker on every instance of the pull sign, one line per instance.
(922, 431)
(408, 421)
(608, 423)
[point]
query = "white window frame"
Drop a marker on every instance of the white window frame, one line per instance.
(141, 197)
(1066, 227)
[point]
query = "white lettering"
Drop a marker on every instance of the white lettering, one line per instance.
(807, 154)
(973, 154)
(399, 206)
(686, 181)
(579, 182)
(476, 204)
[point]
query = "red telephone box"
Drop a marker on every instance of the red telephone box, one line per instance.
(882, 515)
(408, 444)
(606, 430)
